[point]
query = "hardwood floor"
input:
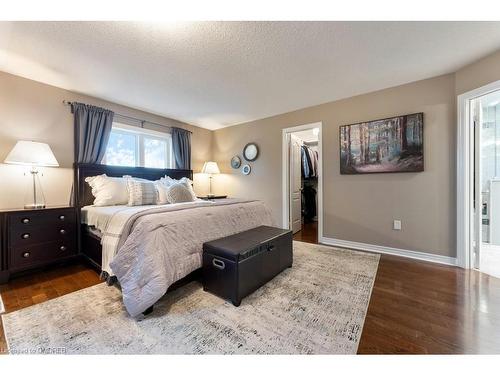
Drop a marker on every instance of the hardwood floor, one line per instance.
(415, 307)
(421, 307)
(309, 233)
(41, 286)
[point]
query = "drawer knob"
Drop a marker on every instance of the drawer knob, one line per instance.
(25, 220)
(26, 254)
(62, 231)
(25, 236)
(63, 248)
(62, 217)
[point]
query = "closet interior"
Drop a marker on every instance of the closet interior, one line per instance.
(309, 180)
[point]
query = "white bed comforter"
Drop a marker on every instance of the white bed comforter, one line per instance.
(159, 246)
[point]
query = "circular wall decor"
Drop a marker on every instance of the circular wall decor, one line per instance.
(246, 169)
(235, 162)
(251, 152)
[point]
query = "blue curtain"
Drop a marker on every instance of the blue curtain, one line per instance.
(181, 145)
(92, 130)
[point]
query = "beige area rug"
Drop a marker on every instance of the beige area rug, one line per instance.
(317, 306)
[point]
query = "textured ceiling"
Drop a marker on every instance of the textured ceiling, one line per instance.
(216, 74)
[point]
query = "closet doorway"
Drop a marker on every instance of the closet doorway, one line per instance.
(302, 181)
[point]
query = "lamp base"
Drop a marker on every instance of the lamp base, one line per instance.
(34, 198)
(34, 206)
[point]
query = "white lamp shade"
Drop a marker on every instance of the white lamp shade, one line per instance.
(32, 153)
(210, 167)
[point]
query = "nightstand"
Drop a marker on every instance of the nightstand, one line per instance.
(35, 238)
(208, 198)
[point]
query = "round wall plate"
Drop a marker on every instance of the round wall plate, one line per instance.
(246, 169)
(251, 152)
(235, 162)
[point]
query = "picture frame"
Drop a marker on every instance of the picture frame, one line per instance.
(390, 145)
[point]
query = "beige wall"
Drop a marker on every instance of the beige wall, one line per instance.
(361, 208)
(478, 74)
(357, 208)
(34, 111)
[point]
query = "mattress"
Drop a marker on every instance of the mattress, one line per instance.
(99, 217)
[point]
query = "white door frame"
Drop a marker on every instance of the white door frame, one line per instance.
(465, 170)
(286, 171)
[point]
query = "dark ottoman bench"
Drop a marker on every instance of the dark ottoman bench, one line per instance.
(235, 266)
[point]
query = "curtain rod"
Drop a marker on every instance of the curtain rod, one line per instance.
(142, 122)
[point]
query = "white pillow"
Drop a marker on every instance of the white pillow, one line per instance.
(141, 192)
(178, 193)
(168, 181)
(108, 191)
(136, 178)
(161, 189)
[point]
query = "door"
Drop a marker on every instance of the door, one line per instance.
(295, 184)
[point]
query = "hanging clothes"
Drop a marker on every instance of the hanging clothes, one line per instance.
(306, 169)
(309, 162)
(310, 171)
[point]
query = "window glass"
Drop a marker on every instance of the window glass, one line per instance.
(135, 147)
(155, 152)
(122, 149)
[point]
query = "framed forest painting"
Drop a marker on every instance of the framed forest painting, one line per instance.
(394, 144)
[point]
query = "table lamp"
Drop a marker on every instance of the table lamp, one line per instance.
(211, 168)
(34, 154)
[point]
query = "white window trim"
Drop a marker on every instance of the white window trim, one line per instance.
(141, 133)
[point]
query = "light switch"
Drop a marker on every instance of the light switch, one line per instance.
(396, 225)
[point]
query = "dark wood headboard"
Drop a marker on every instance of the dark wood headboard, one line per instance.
(83, 193)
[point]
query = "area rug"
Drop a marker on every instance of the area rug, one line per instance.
(316, 307)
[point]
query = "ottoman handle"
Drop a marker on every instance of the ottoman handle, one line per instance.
(218, 264)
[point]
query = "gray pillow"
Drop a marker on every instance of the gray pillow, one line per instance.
(178, 193)
(141, 193)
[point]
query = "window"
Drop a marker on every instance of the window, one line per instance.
(136, 147)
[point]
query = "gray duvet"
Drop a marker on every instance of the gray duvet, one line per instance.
(163, 246)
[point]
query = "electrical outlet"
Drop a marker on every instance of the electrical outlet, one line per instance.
(396, 225)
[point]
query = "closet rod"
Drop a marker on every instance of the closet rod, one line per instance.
(142, 122)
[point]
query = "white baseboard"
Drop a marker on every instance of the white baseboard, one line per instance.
(390, 250)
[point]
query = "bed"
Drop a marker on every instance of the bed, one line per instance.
(150, 248)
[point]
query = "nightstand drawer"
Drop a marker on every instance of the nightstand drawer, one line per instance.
(41, 218)
(28, 256)
(19, 236)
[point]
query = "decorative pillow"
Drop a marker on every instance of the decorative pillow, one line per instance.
(168, 181)
(108, 191)
(136, 178)
(141, 193)
(161, 189)
(178, 193)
